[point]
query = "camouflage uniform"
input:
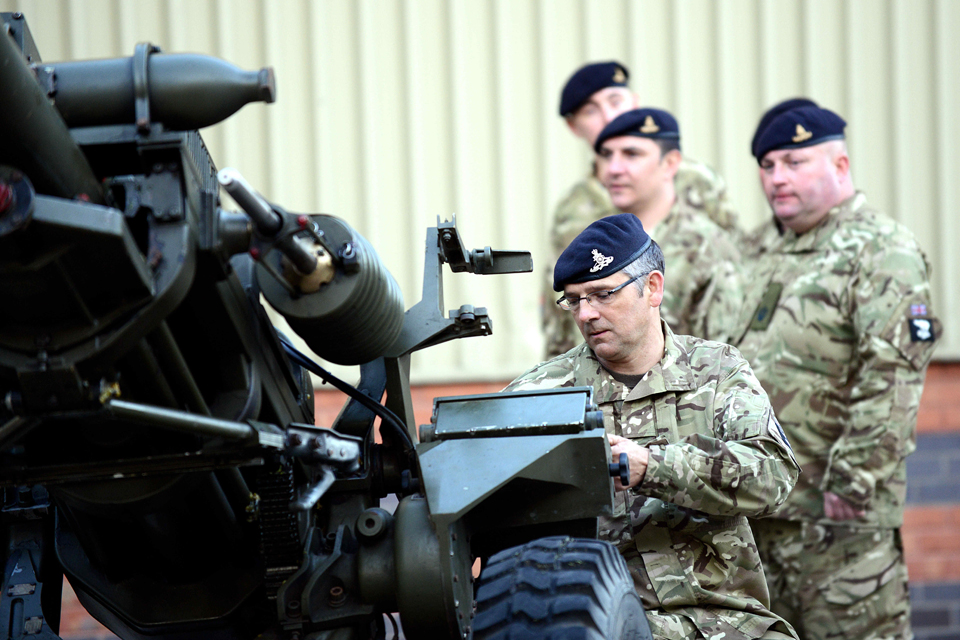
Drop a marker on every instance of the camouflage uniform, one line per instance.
(761, 239)
(842, 352)
(716, 456)
(702, 296)
(699, 189)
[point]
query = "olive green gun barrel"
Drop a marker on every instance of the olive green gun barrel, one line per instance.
(36, 140)
(184, 91)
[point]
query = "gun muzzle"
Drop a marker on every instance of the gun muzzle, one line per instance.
(181, 90)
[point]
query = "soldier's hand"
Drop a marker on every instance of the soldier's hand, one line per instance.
(637, 456)
(836, 508)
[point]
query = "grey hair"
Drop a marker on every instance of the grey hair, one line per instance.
(647, 262)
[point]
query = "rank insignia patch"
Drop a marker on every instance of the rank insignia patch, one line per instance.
(921, 330)
(768, 304)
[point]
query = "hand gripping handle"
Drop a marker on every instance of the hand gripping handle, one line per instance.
(622, 469)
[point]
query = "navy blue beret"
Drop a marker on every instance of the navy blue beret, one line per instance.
(587, 81)
(773, 112)
(803, 127)
(643, 123)
(602, 249)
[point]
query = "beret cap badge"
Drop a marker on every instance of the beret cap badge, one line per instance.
(589, 79)
(802, 134)
(600, 261)
(797, 128)
(605, 247)
(649, 126)
(641, 123)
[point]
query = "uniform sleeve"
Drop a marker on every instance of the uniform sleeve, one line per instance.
(746, 467)
(703, 188)
(720, 308)
(896, 335)
(552, 374)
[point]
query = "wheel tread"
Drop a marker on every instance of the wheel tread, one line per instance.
(553, 589)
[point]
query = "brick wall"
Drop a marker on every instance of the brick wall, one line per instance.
(931, 529)
(931, 532)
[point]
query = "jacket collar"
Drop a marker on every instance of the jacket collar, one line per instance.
(819, 235)
(672, 373)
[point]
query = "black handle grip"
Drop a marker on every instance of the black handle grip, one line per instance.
(622, 469)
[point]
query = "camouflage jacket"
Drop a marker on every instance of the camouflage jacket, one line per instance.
(702, 293)
(761, 239)
(699, 189)
(702, 284)
(716, 456)
(839, 330)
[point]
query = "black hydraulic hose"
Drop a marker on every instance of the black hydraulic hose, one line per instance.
(387, 416)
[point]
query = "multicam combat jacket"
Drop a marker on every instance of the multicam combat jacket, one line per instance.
(702, 284)
(700, 191)
(839, 330)
(716, 456)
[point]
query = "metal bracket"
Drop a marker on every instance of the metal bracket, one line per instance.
(330, 450)
(141, 84)
(484, 261)
(20, 608)
(423, 324)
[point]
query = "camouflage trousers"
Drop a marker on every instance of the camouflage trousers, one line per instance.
(833, 582)
(681, 628)
(678, 624)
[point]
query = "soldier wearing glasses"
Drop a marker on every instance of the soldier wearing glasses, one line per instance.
(704, 447)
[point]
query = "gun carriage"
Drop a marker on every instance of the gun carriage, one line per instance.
(157, 436)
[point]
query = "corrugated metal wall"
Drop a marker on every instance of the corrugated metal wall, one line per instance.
(391, 113)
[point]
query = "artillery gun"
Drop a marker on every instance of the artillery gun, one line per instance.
(157, 436)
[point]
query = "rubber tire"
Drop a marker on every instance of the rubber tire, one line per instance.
(558, 588)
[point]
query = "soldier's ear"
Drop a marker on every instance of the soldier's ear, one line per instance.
(654, 288)
(842, 164)
(671, 161)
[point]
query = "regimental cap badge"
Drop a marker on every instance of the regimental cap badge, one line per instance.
(649, 126)
(797, 128)
(604, 247)
(619, 77)
(802, 134)
(599, 261)
(642, 123)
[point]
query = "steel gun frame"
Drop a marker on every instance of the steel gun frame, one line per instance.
(157, 444)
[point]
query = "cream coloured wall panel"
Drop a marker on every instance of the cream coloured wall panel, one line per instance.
(392, 112)
(336, 111)
(651, 61)
(871, 108)
(945, 164)
(737, 62)
(244, 136)
(694, 63)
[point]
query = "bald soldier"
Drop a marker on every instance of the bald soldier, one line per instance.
(766, 233)
(593, 96)
(638, 155)
(839, 329)
(704, 448)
